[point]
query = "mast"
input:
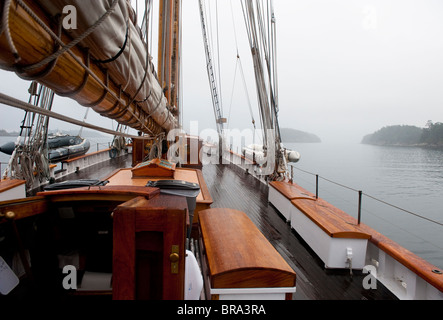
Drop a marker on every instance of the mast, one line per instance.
(261, 30)
(169, 51)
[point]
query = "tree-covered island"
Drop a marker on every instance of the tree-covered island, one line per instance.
(405, 135)
(291, 135)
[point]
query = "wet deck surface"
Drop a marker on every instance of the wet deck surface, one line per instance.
(231, 187)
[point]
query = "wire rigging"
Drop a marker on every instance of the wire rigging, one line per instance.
(372, 197)
(239, 65)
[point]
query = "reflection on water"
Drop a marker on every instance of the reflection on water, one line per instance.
(410, 178)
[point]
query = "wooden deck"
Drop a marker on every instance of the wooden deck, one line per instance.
(231, 187)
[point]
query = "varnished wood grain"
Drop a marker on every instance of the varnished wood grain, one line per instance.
(239, 255)
(155, 225)
(123, 264)
(230, 186)
(325, 218)
(117, 193)
(291, 191)
(124, 177)
(8, 184)
(413, 262)
(330, 219)
(33, 44)
(24, 208)
(339, 224)
(153, 169)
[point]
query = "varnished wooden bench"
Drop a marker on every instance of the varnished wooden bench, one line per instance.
(239, 261)
(12, 189)
(281, 193)
(330, 219)
(330, 232)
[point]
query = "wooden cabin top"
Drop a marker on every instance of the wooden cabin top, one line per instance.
(125, 177)
(241, 259)
(116, 193)
(155, 167)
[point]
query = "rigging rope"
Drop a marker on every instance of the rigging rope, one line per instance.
(72, 43)
(238, 62)
(218, 58)
(30, 157)
(210, 71)
(58, 40)
(5, 28)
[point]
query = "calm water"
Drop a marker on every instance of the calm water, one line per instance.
(409, 178)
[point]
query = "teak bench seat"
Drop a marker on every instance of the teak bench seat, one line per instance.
(238, 255)
(8, 184)
(327, 217)
(291, 191)
(333, 235)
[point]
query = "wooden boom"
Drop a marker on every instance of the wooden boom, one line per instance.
(25, 41)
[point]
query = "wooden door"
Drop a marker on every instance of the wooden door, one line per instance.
(149, 248)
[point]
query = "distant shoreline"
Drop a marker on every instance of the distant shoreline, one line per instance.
(289, 135)
(430, 137)
(406, 145)
(86, 133)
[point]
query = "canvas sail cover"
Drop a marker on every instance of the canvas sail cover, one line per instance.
(119, 30)
(121, 82)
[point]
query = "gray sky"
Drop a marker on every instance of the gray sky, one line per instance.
(346, 68)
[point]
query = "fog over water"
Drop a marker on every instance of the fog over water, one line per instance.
(345, 68)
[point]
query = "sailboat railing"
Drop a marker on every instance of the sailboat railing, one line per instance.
(360, 194)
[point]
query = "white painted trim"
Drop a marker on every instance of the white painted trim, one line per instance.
(280, 202)
(332, 251)
(400, 280)
(273, 293)
(17, 192)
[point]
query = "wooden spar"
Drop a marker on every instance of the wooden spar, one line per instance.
(68, 75)
(168, 41)
(161, 40)
(175, 72)
(169, 50)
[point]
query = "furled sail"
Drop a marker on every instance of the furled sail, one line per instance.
(109, 67)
